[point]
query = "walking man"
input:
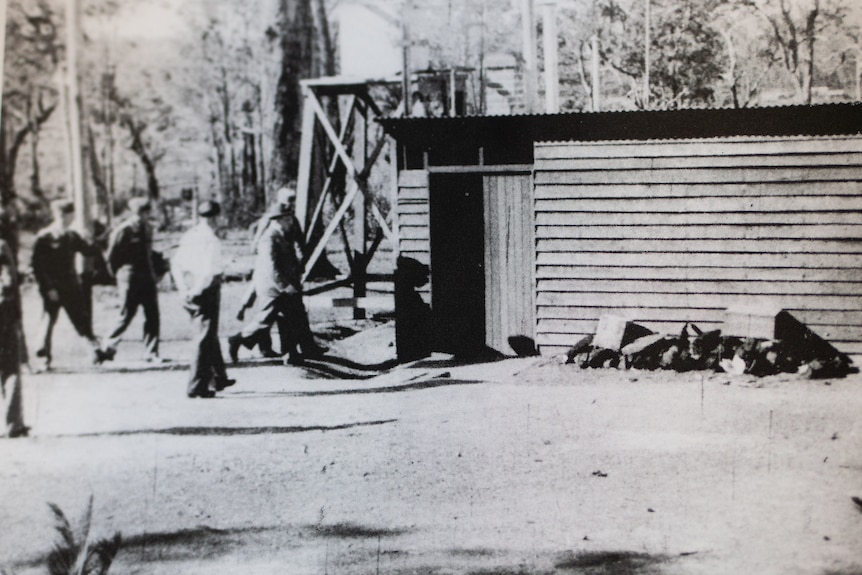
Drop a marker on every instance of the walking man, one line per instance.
(10, 345)
(278, 283)
(197, 268)
(130, 259)
(53, 264)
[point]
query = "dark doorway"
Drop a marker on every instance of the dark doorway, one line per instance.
(457, 263)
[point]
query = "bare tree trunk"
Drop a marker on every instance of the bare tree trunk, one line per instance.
(8, 226)
(97, 174)
(35, 183)
(296, 31)
(147, 162)
(810, 37)
(231, 190)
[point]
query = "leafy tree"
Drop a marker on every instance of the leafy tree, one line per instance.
(30, 96)
(796, 29)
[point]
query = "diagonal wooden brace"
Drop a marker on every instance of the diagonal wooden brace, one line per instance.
(348, 163)
(346, 130)
(330, 229)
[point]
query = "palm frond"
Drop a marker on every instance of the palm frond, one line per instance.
(62, 558)
(102, 554)
(84, 538)
(73, 554)
(62, 526)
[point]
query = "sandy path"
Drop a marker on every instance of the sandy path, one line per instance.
(509, 467)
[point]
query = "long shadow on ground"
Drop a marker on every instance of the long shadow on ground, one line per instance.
(209, 544)
(426, 384)
(227, 431)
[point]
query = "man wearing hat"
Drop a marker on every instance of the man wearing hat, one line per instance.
(197, 268)
(131, 261)
(278, 283)
(53, 263)
(10, 341)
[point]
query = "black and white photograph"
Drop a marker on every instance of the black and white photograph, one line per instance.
(431, 287)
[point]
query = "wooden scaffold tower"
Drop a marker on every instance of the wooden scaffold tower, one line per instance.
(349, 168)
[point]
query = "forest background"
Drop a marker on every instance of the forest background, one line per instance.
(185, 95)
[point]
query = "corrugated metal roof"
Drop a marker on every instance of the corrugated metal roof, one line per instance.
(480, 131)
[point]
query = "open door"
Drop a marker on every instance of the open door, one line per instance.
(457, 263)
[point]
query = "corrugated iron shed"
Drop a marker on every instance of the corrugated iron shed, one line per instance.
(509, 139)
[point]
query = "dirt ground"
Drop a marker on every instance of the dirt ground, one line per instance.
(517, 466)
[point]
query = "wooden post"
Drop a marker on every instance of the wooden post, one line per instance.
(360, 214)
(452, 79)
(596, 76)
(858, 73)
(647, 41)
(528, 39)
(73, 108)
(2, 48)
(393, 194)
(549, 41)
(305, 150)
(405, 69)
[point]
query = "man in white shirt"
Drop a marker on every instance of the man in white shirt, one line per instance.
(197, 269)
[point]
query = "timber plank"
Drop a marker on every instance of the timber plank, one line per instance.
(413, 194)
(697, 162)
(711, 286)
(694, 273)
(661, 259)
(848, 246)
(619, 220)
(811, 317)
(722, 205)
(719, 232)
(754, 145)
(697, 300)
(412, 232)
(413, 209)
(413, 179)
(577, 191)
(701, 176)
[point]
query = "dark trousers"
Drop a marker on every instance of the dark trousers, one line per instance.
(10, 369)
(137, 291)
(288, 311)
(207, 365)
(72, 299)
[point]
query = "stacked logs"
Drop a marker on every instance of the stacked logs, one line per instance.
(795, 349)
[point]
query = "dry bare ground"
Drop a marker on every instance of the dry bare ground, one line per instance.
(518, 466)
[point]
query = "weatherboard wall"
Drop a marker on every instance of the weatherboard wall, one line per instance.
(664, 232)
(413, 218)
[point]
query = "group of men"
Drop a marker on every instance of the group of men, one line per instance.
(130, 259)
(197, 268)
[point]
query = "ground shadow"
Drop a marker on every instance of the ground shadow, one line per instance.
(339, 368)
(354, 531)
(186, 544)
(611, 563)
(228, 431)
(418, 385)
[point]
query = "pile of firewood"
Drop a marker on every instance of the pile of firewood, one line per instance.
(622, 344)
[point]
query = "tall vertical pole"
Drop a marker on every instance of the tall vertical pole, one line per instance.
(452, 95)
(597, 88)
(647, 42)
(360, 212)
(528, 39)
(858, 74)
(549, 42)
(2, 47)
(405, 60)
(79, 196)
